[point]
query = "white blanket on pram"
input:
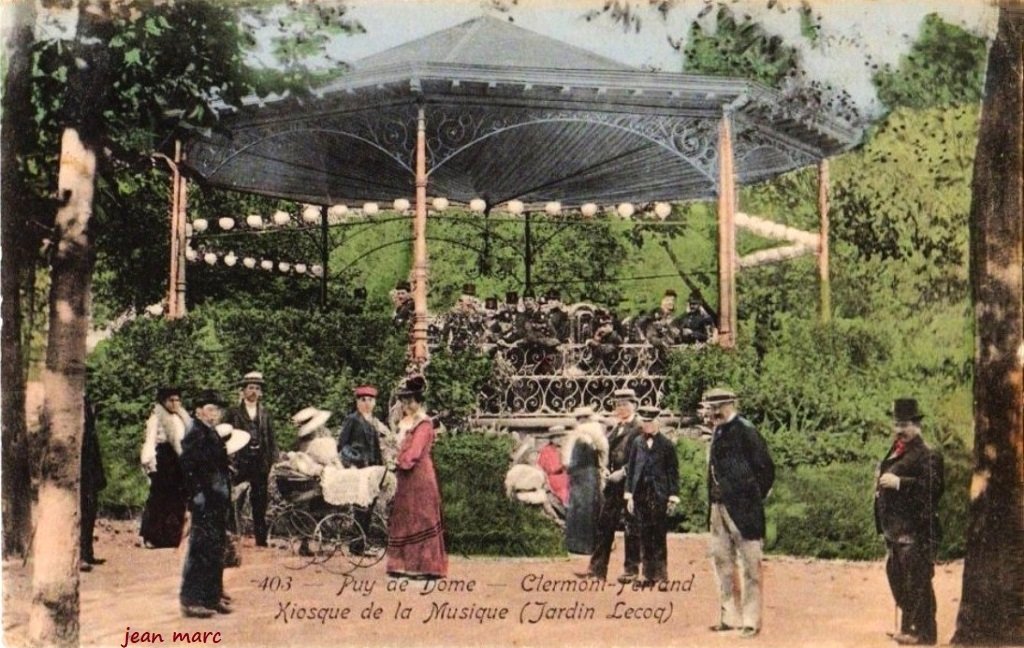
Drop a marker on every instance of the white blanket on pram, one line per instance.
(358, 486)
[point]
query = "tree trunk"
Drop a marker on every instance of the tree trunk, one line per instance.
(18, 18)
(992, 602)
(54, 617)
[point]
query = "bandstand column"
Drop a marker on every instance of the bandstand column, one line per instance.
(726, 237)
(179, 240)
(825, 297)
(419, 268)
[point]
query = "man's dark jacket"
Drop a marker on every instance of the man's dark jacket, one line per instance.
(657, 467)
(204, 461)
(260, 454)
(911, 513)
(620, 439)
(359, 445)
(740, 474)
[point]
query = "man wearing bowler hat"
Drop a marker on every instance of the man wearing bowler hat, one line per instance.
(613, 506)
(204, 463)
(907, 492)
(652, 491)
(253, 463)
(740, 474)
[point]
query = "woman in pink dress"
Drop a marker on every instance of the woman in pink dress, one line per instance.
(415, 531)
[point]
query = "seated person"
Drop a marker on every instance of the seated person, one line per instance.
(695, 325)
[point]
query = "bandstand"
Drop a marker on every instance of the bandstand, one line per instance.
(496, 117)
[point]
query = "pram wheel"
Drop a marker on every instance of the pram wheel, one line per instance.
(290, 533)
(338, 537)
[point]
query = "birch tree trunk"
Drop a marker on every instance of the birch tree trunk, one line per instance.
(55, 550)
(992, 601)
(17, 18)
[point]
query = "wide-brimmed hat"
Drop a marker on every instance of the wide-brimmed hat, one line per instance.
(648, 412)
(314, 423)
(234, 439)
(252, 378)
(412, 387)
(694, 298)
(511, 297)
(366, 390)
(207, 397)
(718, 396)
(905, 409)
(624, 394)
(403, 285)
(304, 414)
(552, 432)
(584, 412)
(166, 391)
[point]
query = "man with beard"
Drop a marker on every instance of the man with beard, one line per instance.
(253, 463)
(907, 492)
(613, 506)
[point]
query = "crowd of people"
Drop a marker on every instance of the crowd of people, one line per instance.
(598, 475)
(195, 462)
(547, 323)
(621, 472)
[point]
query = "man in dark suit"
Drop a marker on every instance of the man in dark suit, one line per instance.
(740, 474)
(204, 462)
(652, 491)
(907, 492)
(620, 437)
(254, 462)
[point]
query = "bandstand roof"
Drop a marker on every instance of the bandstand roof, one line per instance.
(510, 114)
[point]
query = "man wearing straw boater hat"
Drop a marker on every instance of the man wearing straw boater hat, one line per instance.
(204, 463)
(740, 474)
(907, 492)
(254, 462)
(613, 507)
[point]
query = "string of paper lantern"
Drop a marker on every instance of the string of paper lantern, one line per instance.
(658, 210)
(230, 259)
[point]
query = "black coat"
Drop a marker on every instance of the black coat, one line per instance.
(620, 440)
(204, 462)
(913, 510)
(654, 468)
(259, 455)
(359, 444)
(741, 471)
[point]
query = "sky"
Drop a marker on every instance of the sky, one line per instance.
(854, 32)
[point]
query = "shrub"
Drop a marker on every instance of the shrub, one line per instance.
(478, 518)
(454, 378)
(693, 492)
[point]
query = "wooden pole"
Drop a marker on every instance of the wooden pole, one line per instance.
(419, 295)
(181, 285)
(172, 279)
(324, 258)
(825, 299)
(726, 238)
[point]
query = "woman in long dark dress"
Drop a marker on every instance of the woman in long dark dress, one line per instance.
(163, 518)
(585, 453)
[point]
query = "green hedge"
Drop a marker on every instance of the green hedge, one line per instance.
(478, 517)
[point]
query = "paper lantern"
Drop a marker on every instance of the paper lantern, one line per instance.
(284, 266)
(317, 270)
(281, 217)
(401, 205)
(440, 204)
(210, 258)
(589, 210)
(336, 212)
(191, 254)
(478, 204)
(371, 208)
(663, 210)
(300, 268)
(267, 265)
(625, 210)
(249, 262)
(311, 214)
(553, 208)
(226, 223)
(200, 224)
(254, 221)
(515, 206)
(230, 259)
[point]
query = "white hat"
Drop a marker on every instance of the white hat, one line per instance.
(304, 415)
(583, 412)
(234, 439)
(315, 422)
